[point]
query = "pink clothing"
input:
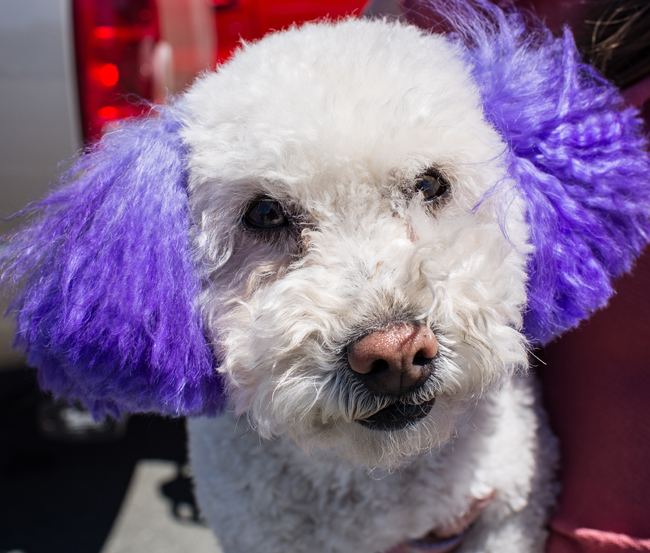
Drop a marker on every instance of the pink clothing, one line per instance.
(596, 388)
(639, 93)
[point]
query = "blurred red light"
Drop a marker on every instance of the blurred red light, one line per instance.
(109, 74)
(104, 33)
(109, 113)
(114, 45)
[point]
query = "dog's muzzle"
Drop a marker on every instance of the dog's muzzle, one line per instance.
(394, 362)
(397, 416)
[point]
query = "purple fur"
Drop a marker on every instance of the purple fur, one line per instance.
(106, 293)
(577, 153)
(106, 301)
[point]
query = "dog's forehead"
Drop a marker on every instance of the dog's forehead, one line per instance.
(357, 100)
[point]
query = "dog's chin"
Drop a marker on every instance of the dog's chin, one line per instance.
(397, 416)
(388, 439)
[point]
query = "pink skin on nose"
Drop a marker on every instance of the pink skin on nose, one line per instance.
(398, 346)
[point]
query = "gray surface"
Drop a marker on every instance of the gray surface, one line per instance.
(383, 8)
(132, 495)
(39, 124)
(38, 118)
(144, 522)
(9, 357)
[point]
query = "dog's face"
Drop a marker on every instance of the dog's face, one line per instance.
(355, 215)
(365, 248)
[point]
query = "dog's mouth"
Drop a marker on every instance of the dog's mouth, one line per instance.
(397, 416)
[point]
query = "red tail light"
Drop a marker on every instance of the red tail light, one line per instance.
(115, 42)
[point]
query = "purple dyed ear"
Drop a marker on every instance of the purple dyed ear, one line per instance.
(578, 154)
(106, 301)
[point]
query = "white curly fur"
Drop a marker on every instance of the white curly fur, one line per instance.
(335, 122)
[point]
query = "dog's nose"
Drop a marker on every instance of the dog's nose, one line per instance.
(394, 360)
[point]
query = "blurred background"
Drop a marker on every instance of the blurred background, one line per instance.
(69, 71)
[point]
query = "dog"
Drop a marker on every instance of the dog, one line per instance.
(346, 241)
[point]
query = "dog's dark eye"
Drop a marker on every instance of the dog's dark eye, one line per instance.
(433, 185)
(265, 214)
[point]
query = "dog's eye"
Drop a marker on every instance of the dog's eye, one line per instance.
(432, 184)
(265, 214)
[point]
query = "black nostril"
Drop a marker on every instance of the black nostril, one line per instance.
(421, 358)
(379, 366)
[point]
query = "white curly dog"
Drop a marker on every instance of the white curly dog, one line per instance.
(368, 311)
(356, 229)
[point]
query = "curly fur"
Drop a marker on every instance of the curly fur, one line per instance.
(583, 168)
(347, 262)
(575, 150)
(143, 261)
(104, 307)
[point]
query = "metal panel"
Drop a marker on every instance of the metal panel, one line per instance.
(38, 116)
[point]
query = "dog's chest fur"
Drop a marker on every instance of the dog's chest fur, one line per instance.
(270, 496)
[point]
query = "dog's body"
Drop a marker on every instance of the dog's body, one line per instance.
(383, 220)
(365, 252)
(270, 496)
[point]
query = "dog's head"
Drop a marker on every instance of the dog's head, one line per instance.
(364, 243)
(368, 223)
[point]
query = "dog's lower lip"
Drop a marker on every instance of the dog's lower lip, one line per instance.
(397, 416)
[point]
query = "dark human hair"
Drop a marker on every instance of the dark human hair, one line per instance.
(616, 39)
